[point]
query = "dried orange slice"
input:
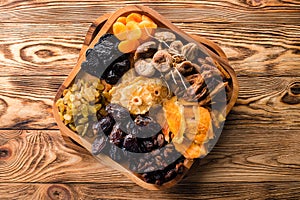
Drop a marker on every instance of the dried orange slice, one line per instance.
(175, 119)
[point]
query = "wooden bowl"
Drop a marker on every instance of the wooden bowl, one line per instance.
(103, 25)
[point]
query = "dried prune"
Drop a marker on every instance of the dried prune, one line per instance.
(160, 176)
(92, 65)
(147, 126)
(104, 57)
(105, 124)
(88, 52)
(116, 153)
(111, 77)
(117, 135)
(99, 144)
(131, 143)
(116, 69)
(121, 66)
(118, 113)
(147, 146)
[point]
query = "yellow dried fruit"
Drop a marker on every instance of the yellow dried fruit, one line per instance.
(138, 94)
(80, 103)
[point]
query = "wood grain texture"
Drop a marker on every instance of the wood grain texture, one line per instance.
(129, 191)
(44, 157)
(253, 50)
(257, 156)
(211, 11)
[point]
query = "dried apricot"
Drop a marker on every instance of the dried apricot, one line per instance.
(146, 18)
(119, 30)
(133, 31)
(147, 28)
(134, 17)
(127, 46)
(122, 20)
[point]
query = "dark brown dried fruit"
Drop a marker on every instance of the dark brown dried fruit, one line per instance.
(99, 144)
(146, 50)
(118, 113)
(104, 125)
(131, 143)
(117, 135)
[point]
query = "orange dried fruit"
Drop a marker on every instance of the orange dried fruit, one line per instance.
(122, 20)
(204, 129)
(127, 46)
(119, 30)
(174, 115)
(146, 18)
(134, 17)
(133, 31)
(195, 151)
(147, 28)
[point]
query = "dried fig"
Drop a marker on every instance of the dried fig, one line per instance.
(190, 51)
(146, 50)
(144, 67)
(162, 61)
(176, 47)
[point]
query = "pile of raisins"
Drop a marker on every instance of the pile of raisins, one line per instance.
(105, 60)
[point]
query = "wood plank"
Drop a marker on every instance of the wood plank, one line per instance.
(239, 156)
(216, 191)
(191, 11)
(253, 49)
(26, 103)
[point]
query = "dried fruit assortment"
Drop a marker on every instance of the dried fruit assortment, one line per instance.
(150, 103)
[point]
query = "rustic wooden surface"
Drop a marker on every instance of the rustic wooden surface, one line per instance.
(257, 156)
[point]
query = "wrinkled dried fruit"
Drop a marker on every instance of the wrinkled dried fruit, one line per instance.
(98, 145)
(162, 61)
(104, 125)
(146, 50)
(144, 67)
(131, 143)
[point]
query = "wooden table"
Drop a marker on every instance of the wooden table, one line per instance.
(257, 156)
